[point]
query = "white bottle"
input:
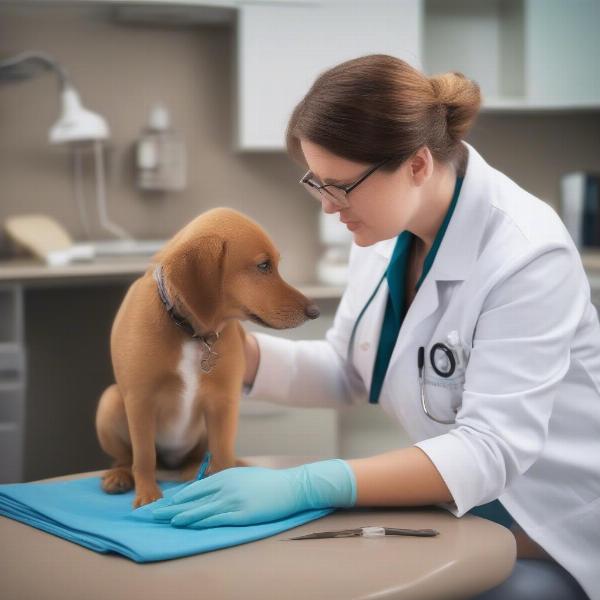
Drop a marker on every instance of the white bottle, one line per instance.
(160, 156)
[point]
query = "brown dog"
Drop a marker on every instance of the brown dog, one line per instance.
(174, 396)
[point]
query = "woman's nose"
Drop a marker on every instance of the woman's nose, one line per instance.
(328, 206)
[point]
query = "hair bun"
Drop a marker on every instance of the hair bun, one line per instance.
(461, 97)
(377, 106)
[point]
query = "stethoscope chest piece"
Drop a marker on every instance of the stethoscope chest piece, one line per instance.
(442, 360)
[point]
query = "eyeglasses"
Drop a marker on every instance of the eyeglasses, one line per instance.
(337, 194)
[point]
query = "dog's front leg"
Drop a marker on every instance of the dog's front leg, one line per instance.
(221, 424)
(141, 420)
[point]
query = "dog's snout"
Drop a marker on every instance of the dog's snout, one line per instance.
(312, 311)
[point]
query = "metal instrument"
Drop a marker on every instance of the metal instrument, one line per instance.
(367, 532)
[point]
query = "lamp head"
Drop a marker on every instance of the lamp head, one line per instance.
(76, 123)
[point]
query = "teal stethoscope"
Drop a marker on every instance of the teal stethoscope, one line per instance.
(444, 368)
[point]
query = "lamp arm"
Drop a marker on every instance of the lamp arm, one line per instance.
(9, 67)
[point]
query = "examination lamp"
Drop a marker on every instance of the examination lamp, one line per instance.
(76, 123)
(79, 128)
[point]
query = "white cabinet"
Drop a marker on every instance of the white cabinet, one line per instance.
(282, 48)
(562, 51)
(525, 54)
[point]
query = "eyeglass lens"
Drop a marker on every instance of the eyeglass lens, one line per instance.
(333, 194)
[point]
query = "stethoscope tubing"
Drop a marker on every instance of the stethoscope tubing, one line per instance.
(420, 360)
(349, 354)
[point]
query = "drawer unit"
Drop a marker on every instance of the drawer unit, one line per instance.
(11, 453)
(11, 313)
(12, 384)
(12, 397)
(12, 362)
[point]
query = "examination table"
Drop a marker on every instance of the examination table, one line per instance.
(469, 555)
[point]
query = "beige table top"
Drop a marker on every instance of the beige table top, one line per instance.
(469, 556)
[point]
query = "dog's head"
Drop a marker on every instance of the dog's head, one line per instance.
(223, 265)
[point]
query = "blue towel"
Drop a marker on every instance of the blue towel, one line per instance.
(78, 510)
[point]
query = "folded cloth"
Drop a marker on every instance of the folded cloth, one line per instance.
(79, 510)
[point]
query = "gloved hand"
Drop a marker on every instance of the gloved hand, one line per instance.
(251, 495)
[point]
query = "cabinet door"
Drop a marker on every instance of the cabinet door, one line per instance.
(562, 52)
(282, 48)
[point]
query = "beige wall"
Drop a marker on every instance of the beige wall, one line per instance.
(121, 69)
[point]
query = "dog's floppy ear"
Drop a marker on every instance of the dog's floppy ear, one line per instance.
(194, 274)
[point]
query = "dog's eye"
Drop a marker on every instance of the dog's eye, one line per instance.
(264, 267)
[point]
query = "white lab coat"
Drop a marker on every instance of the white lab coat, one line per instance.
(509, 279)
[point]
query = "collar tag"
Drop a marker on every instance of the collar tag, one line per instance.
(209, 356)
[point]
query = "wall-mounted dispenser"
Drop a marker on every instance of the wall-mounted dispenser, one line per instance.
(160, 154)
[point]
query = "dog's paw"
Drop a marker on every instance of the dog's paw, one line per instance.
(118, 481)
(145, 495)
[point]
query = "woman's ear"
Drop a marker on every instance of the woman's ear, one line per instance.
(195, 273)
(421, 165)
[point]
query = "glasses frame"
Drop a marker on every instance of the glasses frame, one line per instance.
(308, 182)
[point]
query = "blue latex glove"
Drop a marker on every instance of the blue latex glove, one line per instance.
(252, 495)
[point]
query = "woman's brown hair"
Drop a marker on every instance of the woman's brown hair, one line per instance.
(378, 106)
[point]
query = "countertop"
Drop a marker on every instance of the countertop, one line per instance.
(469, 555)
(34, 273)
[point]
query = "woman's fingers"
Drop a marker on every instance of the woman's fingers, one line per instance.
(198, 489)
(198, 513)
(166, 513)
(226, 519)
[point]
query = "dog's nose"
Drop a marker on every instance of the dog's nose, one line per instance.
(312, 311)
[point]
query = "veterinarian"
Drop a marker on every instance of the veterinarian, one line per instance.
(467, 319)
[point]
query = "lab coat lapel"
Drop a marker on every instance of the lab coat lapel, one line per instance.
(372, 321)
(455, 257)
(460, 245)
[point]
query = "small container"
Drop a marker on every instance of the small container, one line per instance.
(160, 154)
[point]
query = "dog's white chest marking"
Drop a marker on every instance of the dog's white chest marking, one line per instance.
(189, 371)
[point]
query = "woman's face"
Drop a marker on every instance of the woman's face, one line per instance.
(380, 207)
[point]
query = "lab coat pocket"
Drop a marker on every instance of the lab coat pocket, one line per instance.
(443, 395)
